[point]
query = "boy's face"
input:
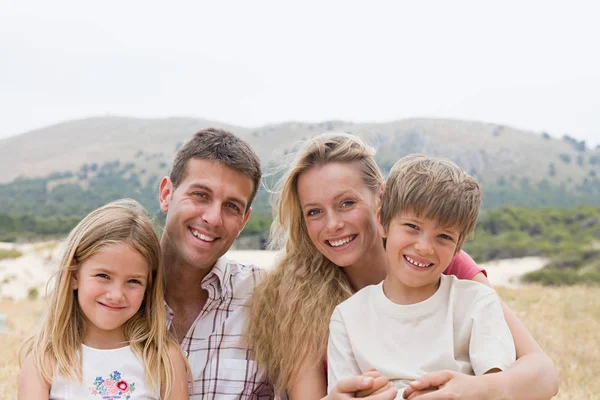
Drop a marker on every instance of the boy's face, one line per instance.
(418, 250)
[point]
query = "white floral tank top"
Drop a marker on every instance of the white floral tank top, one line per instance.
(116, 374)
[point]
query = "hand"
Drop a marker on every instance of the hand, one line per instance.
(346, 389)
(445, 385)
(380, 383)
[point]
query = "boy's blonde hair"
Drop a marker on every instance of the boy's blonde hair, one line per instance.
(290, 310)
(57, 346)
(432, 188)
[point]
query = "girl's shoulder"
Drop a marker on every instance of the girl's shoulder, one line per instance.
(180, 373)
(32, 384)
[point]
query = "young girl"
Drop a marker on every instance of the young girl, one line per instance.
(103, 335)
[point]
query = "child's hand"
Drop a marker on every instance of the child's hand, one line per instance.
(380, 384)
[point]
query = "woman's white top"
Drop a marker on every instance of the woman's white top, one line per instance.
(115, 374)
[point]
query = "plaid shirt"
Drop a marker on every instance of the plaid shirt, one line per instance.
(222, 365)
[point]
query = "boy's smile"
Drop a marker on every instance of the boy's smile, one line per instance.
(420, 264)
(418, 251)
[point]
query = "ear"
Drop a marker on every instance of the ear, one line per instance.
(246, 217)
(380, 227)
(164, 193)
(74, 280)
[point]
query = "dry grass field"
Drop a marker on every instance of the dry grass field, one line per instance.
(565, 321)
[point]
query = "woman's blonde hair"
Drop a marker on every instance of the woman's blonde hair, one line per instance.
(290, 310)
(56, 347)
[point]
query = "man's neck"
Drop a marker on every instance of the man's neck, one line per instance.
(184, 294)
(183, 282)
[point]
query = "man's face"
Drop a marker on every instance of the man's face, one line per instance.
(205, 213)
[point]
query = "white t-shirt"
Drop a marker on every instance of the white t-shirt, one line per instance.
(460, 328)
(107, 374)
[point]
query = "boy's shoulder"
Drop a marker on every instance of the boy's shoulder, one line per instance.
(360, 299)
(467, 292)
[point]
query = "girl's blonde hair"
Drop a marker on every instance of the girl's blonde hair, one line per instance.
(290, 310)
(56, 347)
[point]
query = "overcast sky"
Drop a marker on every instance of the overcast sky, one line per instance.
(529, 64)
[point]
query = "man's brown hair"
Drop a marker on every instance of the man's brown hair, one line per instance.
(432, 188)
(221, 146)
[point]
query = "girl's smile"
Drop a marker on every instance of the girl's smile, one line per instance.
(110, 286)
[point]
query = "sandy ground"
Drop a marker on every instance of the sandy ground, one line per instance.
(32, 271)
(508, 272)
(20, 276)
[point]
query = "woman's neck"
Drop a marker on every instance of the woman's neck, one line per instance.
(370, 269)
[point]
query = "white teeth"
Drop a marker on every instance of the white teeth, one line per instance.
(337, 243)
(413, 262)
(202, 237)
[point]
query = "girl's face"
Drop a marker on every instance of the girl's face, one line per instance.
(339, 211)
(110, 289)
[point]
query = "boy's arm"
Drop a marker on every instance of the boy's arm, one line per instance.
(532, 377)
(491, 346)
(31, 384)
(341, 362)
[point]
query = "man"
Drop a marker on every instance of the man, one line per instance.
(207, 199)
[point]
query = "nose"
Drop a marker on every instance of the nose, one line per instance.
(334, 222)
(115, 293)
(424, 245)
(212, 214)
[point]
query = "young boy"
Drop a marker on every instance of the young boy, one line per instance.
(417, 320)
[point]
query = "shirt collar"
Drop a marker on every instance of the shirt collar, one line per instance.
(218, 276)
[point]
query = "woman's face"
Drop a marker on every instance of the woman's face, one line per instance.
(339, 212)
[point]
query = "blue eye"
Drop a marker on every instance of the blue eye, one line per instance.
(312, 212)
(348, 203)
(232, 206)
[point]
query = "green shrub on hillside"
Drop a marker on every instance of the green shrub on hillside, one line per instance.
(10, 253)
(559, 277)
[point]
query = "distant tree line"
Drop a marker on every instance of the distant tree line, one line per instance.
(568, 236)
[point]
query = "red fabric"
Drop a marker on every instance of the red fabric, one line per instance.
(463, 267)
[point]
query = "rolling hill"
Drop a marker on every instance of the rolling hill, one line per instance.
(69, 168)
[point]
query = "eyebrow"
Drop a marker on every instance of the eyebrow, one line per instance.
(232, 199)
(420, 221)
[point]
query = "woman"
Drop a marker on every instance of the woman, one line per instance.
(325, 220)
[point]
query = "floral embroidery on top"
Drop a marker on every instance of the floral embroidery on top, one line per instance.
(113, 387)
